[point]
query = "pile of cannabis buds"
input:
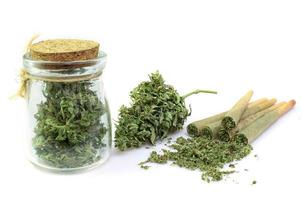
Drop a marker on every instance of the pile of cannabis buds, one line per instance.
(157, 110)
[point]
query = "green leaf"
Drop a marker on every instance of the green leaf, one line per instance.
(153, 138)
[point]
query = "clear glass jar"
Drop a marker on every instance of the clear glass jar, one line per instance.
(70, 125)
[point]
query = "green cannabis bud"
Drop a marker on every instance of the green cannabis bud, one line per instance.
(68, 131)
(156, 110)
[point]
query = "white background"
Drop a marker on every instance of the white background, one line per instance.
(228, 46)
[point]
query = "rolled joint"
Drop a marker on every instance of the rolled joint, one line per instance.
(241, 139)
(192, 130)
(223, 135)
(228, 123)
(206, 132)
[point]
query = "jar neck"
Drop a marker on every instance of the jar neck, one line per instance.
(69, 69)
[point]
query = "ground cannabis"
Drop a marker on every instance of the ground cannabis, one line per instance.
(156, 110)
(68, 129)
(209, 156)
(146, 167)
(232, 165)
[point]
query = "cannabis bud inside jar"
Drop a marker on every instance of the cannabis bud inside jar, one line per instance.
(70, 119)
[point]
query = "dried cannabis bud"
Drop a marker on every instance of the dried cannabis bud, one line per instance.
(69, 132)
(156, 110)
(209, 156)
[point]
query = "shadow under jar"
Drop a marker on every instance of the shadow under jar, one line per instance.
(70, 125)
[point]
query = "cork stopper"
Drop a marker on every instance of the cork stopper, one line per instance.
(64, 50)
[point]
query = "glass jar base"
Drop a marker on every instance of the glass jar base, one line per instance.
(48, 168)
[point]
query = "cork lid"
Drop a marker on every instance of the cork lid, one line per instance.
(64, 50)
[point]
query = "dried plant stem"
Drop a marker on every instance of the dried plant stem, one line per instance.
(197, 92)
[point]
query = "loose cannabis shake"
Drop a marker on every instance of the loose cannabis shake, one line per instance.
(206, 155)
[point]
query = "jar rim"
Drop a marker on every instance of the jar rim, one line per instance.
(63, 69)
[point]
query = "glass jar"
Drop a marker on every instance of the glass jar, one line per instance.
(70, 125)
